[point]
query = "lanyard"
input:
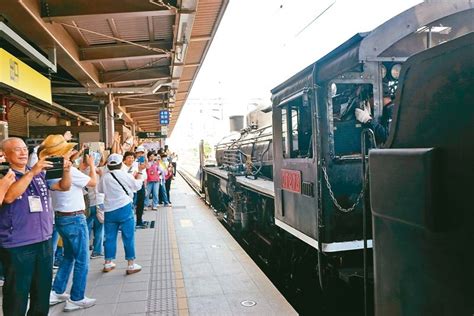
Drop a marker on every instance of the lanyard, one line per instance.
(37, 184)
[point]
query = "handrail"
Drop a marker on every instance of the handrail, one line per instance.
(366, 133)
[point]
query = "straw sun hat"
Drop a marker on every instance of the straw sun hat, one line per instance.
(55, 145)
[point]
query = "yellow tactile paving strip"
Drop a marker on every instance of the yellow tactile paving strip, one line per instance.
(162, 291)
(178, 273)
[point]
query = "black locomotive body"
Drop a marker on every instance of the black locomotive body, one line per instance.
(249, 151)
(422, 218)
(314, 205)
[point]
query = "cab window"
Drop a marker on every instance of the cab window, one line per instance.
(345, 98)
(296, 129)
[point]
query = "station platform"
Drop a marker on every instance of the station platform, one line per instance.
(191, 266)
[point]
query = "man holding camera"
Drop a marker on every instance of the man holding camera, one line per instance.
(26, 225)
(71, 225)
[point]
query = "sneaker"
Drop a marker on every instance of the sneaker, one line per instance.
(154, 208)
(108, 267)
(96, 255)
(75, 305)
(55, 298)
(134, 268)
(168, 205)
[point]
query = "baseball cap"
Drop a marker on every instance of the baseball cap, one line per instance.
(140, 149)
(114, 159)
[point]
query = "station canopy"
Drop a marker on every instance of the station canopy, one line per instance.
(142, 55)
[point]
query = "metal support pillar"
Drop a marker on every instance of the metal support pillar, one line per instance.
(101, 121)
(109, 122)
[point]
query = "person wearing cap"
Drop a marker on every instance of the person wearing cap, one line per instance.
(118, 187)
(382, 127)
(26, 225)
(139, 197)
(70, 222)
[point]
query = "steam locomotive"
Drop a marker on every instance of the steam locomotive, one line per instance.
(297, 186)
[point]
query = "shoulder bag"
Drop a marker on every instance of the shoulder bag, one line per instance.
(113, 175)
(100, 214)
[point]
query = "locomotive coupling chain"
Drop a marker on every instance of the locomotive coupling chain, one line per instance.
(333, 198)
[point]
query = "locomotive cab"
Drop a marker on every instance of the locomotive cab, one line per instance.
(320, 179)
(318, 160)
(294, 155)
(317, 153)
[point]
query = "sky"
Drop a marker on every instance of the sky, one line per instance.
(261, 43)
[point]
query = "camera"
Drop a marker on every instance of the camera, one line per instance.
(4, 167)
(57, 170)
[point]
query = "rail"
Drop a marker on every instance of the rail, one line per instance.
(188, 179)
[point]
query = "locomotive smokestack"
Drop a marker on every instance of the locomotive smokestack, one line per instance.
(236, 123)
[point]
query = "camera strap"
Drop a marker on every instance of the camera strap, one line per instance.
(113, 175)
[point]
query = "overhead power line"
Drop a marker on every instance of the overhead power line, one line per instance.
(317, 17)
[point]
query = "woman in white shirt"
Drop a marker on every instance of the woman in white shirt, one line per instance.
(96, 204)
(118, 187)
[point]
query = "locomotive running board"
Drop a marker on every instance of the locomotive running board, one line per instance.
(331, 247)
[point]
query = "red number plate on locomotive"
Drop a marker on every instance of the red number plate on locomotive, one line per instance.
(291, 180)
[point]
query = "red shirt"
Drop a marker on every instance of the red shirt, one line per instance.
(152, 172)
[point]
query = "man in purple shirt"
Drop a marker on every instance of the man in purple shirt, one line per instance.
(26, 224)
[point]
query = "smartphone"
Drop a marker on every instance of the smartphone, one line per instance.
(141, 159)
(86, 152)
(4, 167)
(57, 170)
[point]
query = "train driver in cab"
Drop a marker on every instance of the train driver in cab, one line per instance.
(382, 127)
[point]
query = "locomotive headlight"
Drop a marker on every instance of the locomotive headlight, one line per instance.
(383, 69)
(395, 71)
(333, 89)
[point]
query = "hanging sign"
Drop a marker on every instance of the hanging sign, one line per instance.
(164, 117)
(150, 135)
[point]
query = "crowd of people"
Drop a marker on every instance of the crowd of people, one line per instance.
(61, 207)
